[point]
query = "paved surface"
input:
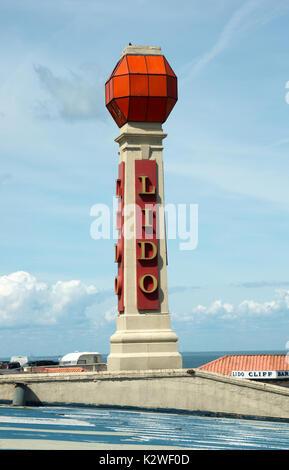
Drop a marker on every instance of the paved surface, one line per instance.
(40, 444)
(50, 444)
(68, 428)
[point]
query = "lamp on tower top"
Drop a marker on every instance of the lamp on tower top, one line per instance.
(142, 87)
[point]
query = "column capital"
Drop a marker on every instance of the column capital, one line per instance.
(141, 133)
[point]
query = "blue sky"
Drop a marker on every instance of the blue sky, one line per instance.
(226, 150)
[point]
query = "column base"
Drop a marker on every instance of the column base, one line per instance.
(144, 342)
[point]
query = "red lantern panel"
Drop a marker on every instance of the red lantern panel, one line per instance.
(136, 64)
(120, 86)
(139, 85)
(155, 64)
(137, 108)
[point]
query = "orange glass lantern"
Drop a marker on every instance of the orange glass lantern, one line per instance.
(141, 88)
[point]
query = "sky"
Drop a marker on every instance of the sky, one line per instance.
(226, 153)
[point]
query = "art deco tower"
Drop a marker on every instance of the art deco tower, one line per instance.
(140, 94)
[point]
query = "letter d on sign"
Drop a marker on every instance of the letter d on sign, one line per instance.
(144, 252)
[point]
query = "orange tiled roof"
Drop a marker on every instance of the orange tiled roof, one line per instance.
(64, 369)
(226, 364)
(58, 369)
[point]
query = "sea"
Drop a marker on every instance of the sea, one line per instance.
(94, 428)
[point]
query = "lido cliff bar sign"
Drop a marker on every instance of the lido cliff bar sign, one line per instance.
(261, 374)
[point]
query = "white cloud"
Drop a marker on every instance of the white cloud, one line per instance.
(110, 315)
(24, 301)
(276, 310)
(76, 97)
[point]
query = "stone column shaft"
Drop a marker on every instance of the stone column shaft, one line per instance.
(143, 338)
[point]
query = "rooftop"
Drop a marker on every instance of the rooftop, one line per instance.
(226, 364)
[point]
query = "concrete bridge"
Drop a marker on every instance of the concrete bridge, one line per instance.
(190, 390)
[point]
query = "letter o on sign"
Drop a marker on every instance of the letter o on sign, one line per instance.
(118, 285)
(150, 277)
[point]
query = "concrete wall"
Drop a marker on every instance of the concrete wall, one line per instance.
(191, 390)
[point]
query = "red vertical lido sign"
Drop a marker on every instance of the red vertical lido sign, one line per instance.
(146, 240)
(118, 285)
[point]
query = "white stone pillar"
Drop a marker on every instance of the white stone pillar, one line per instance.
(143, 339)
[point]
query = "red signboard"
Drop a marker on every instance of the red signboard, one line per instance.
(147, 276)
(119, 245)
